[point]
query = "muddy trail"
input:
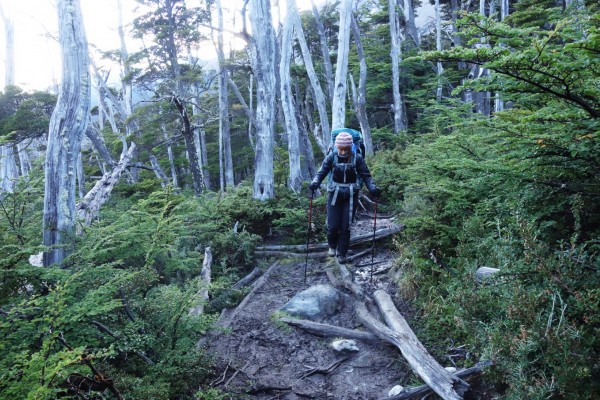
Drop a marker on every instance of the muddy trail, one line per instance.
(257, 356)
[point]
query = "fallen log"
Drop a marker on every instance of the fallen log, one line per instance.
(226, 321)
(432, 373)
(325, 330)
(423, 390)
(379, 234)
(248, 279)
(284, 254)
(346, 283)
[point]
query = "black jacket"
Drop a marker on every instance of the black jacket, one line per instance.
(344, 171)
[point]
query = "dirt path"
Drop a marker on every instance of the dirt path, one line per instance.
(258, 357)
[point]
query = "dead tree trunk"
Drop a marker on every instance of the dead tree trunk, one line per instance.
(89, 207)
(67, 126)
(324, 51)
(322, 139)
(399, 108)
(262, 64)
(360, 96)
(400, 335)
(287, 102)
(227, 180)
(338, 107)
(205, 278)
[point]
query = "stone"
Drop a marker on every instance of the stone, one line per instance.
(343, 345)
(317, 301)
(395, 390)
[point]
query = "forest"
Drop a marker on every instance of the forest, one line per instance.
(481, 126)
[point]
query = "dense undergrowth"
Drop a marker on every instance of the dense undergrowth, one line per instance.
(519, 192)
(121, 306)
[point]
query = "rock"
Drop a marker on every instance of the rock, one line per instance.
(37, 259)
(396, 390)
(344, 345)
(315, 302)
(450, 369)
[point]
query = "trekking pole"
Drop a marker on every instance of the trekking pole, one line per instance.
(312, 194)
(373, 245)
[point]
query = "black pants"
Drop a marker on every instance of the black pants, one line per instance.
(338, 223)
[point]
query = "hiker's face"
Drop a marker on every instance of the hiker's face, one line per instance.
(343, 151)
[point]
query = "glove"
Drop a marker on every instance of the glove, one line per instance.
(313, 186)
(375, 191)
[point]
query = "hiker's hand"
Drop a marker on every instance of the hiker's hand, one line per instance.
(375, 191)
(313, 186)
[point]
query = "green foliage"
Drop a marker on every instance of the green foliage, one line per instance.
(517, 192)
(24, 115)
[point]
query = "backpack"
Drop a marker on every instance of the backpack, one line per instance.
(357, 148)
(357, 139)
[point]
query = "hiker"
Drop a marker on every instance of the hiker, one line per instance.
(347, 167)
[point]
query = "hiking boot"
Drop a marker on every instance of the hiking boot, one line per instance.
(331, 252)
(342, 259)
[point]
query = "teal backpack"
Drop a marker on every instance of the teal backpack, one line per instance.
(357, 139)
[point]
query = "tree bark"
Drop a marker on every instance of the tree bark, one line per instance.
(174, 180)
(205, 278)
(89, 207)
(400, 335)
(264, 70)
(93, 134)
(67, 126)
(190, 145)
(360, 96)
(354, 240)
(158, 171)
(438, 47)
(338, 108)
(411, 26)
(322, 139)
(420, 392)
(324, 51)
(325, 330)
(224, 125)
(398, 107)
(8, 168)
(287, 102)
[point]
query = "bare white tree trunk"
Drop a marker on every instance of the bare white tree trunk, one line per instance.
(338, 108)
(126, 86)
(174, 180)
(67, 126)
(411, 26)
(360, 96)
(24, 161)
(80, 177)
(438, 47)
(224, 125)
(398, 107)
(9, 33)
(322, 139)
(252, 122)
(8, 169)
(158, 171)
(324, 51)
(198, 132)
(263, 53)
(8, 165)
(504, 12)
(89, 206)
(205, 278)
(287, 102)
